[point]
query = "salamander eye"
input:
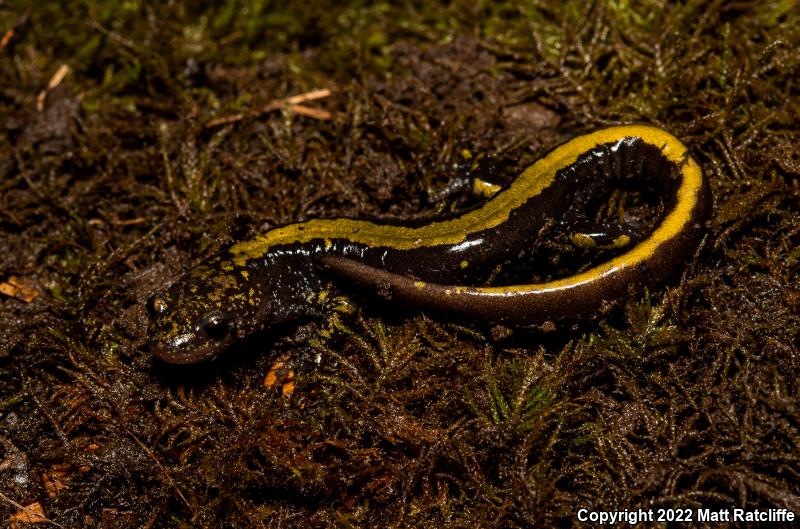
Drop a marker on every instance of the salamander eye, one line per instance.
(156, 305)
(218, 326)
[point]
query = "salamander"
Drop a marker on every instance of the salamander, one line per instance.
(292, 272)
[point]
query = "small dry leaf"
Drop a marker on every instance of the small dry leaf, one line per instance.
(33, 513)
(280, 374)
(56, 480)
(22, 289)
(287, 389)
(272, 374)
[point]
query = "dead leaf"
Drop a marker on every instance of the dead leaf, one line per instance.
(56, 480)
(33, 513)
(22, 289)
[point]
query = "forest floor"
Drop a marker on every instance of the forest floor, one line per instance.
(138, 139)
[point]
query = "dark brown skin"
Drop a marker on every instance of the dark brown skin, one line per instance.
(289, 272)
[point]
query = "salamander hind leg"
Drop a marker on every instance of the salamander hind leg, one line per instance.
(477, 176)
(589, 235)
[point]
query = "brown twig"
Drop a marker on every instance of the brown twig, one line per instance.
(316, 113)
(6, 38)
(59, 76)
(28, 515)
(163, 470)
(291, 102)
(117, 222)
(13, 29)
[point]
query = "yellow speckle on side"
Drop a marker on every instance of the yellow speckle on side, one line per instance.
(245, 274)
(228, 267)
(328, 243)
(581, 240)
(464, 264)
(466, 154)
(345, 308)
(323, 295)
(482, 188)
(420, 284)
(621, 241)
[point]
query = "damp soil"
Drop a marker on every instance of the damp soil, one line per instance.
(137, 139)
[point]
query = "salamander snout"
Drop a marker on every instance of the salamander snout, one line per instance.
(185, 333)
(203, 313)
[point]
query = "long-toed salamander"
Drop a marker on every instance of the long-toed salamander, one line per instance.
(287, 272)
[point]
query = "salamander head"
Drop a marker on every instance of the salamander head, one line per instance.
(204, 312)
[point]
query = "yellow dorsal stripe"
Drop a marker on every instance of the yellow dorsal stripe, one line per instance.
(494, 212)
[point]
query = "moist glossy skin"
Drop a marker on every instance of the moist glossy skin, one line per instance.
(287, 272)
(206, 311)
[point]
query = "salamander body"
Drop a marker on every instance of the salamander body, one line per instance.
(286, 273)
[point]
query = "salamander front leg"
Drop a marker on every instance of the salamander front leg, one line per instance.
(331, 308)
(334, 307)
